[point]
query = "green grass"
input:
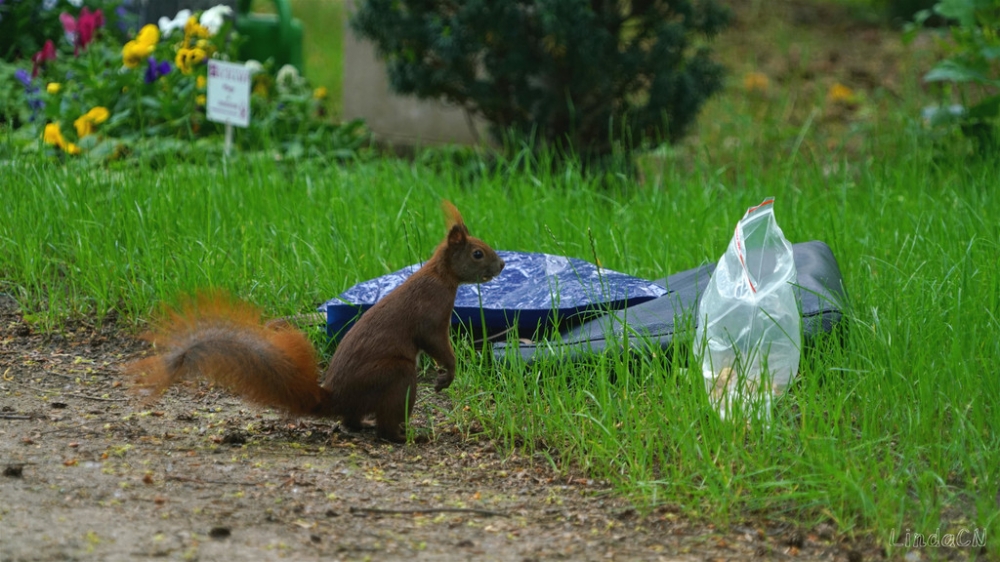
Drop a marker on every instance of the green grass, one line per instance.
(896, 428)
(323, 45)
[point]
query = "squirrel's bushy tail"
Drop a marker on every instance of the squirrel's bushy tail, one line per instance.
(225, 341)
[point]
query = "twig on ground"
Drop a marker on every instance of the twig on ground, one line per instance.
(74, 395)
(483, 512)
(200, 481)
(98, 398)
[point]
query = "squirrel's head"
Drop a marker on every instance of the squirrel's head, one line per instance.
(471, 259)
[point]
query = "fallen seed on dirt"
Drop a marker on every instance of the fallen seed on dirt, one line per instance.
(13, 471)
(58, 405)
(220, 532)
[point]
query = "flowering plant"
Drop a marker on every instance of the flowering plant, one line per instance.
(25, 25)
(90, 92)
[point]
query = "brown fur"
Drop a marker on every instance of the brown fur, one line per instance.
(373, 371)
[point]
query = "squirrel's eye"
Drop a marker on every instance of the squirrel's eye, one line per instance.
(477, 254)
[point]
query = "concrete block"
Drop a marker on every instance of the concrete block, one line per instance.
(395, 119)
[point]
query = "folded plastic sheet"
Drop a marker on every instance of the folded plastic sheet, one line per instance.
(653, 325)
(533, 290)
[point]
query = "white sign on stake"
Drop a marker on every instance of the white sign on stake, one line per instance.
(228, 99)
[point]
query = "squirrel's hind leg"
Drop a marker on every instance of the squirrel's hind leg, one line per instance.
(352, 423)
(397, 404)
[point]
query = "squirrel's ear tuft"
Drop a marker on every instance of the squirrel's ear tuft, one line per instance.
(457, 231)
(452, 214)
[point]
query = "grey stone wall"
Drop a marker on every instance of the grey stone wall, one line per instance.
(396, 119)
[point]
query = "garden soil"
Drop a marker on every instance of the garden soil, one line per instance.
(89, 472)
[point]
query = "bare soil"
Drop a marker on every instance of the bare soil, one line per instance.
(89, 473)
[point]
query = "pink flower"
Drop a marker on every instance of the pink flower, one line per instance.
(47, 53)
(80, 31)
(88, 24)
(69, 26)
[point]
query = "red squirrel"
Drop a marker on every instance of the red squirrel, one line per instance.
(374, 368)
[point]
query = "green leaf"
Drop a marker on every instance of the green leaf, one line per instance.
(150, 102)
(294, 150)
(953, 71)
(964, 11)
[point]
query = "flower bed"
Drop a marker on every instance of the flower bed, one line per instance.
(108, 91)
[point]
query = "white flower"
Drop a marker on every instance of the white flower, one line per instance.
(288, 78)
(253, 66)
(214, 17)
(168, 25)
(76, 3)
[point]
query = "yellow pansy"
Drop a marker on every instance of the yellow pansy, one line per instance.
(136, 51)
(134, 54)
(85, 123)
(320, 93)
(206, 46)
(148, 35)
(200, 82)
(194, 29)
(83, 126)
(98, 114)
(187, 59)
(52, 135)
(53, 87)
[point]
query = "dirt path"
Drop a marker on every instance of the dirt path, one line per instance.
(89, 474)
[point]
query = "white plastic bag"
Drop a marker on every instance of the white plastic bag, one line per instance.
(749, 325)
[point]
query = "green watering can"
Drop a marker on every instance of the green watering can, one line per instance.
(277, 36)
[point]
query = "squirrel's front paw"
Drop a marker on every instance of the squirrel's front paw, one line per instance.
(443, 380)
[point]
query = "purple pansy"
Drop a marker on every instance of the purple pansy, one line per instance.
(23, 77)
(156, 69)
(31, 92)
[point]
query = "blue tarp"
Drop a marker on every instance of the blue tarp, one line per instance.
(533, 289)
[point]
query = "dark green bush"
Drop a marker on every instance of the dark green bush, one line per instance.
(583, 76)
(969, 74)
(902, 11)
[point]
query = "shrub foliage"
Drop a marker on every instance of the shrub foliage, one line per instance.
(970, 71)
(584, 75)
